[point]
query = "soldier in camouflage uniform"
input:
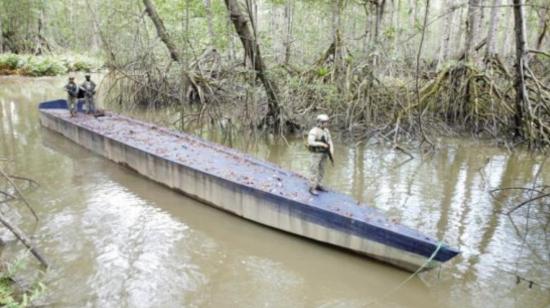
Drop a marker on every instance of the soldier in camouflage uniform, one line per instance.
(89, 91)
(72, 94)
(319, 143)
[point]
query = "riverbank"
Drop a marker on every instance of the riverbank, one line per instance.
(50, 65)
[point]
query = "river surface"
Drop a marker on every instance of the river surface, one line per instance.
(116, 239)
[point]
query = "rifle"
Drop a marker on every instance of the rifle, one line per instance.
(74, 92)
(323, 140)
(90, 92)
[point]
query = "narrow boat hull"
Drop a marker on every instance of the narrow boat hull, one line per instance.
(238, 191)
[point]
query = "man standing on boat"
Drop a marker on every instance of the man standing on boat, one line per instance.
(319, 143)
(89, 91)
(72, 94)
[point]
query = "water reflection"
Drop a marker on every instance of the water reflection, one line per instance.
(117, 239)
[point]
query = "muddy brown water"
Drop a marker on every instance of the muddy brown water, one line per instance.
(116, 239)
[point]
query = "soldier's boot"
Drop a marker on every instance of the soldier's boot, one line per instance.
(321, 188)
(313, 191)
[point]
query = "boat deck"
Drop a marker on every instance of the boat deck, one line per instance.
(231, 165)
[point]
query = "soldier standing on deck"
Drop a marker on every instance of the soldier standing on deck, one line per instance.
(72, 93)
(89, 91)
(319, 143)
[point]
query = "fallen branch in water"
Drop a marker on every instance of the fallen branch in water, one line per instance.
(7, 177)
(19, 234)
(24, 239)
(9, 197)
(402, 150)
(530, 282)
(22, 178)
(541, 196)
(514, 188)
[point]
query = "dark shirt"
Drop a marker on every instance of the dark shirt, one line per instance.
(72, 89)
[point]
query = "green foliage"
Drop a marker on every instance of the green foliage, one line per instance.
(11, 61)
(80, 64)
(389, 33)
(305, 92)
(45, 65)
(10, 295)
(6, 293)
(277, 2)
(323, 71)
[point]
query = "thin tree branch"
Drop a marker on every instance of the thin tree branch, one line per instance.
(7, 177)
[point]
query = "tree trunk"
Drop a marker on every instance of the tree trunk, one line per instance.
(38, 38)
(411, 13)
(544, 19)
(367, 32)
(397, 23)
(380, 6)
(252, 52)
(446, 38)
(254, 17)
(392, 15)
(493, 24)
(186, 26)
(289, 11)
(480, 19)
(1, 36)
(72, 22)
(96, 39)
(208, 9)
(414, 14)
(471, 26)
(522, 100)
(232, 53)
(335, 18)
(418, 55)
(161, 30)
(273, 28)
(337, 38)
(508, 28)
(460, 29)
(95, 15)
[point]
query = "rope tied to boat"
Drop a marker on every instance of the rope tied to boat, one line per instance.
(402, 283)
